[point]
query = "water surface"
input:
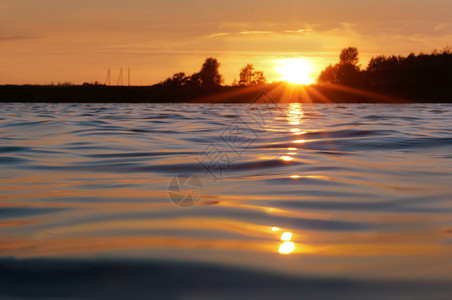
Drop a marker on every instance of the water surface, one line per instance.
(364, 189)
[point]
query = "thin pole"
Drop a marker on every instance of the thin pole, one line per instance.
(119, 78)
(107, 80)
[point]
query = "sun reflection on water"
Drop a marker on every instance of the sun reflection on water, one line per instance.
(286, 236)
(286, 158)
(294, 117)
(295, 114)
(300, 141)
(287, 247)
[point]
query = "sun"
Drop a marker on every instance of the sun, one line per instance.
(295, 70)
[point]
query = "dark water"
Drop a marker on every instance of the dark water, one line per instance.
(313, 193)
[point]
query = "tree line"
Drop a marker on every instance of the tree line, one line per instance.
(209, 77)
(427, 76)
(417, 76)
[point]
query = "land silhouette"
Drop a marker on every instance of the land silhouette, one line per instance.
(389, 79)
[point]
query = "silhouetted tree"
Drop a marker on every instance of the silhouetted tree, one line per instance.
(346, 72)
(178, 79)
(194, 80)
(259, 78)
(423, 76)
(414, 76)
(209, 76)
(349, 56)
(250, 77)
(329, 74)
(92, 83)
(385, 71)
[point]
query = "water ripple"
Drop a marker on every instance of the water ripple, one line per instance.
(361, 189)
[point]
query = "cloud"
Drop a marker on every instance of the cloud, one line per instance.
(259, 32)
(218, 34)
(256, 32)
(295, 31)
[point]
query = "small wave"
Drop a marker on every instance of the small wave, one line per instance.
(7, 160)
(365, 144)
(20, 212)
(12, 149)
(137, 154)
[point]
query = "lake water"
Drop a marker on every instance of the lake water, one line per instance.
(325, 191)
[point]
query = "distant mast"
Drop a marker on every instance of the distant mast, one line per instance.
(119, 78)
(128, 76)
(107, 80)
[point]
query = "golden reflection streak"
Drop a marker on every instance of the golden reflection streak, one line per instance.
(216, 224)
(22, 248)
(230, 201)
(5, 224)
(278, 211)
(299, 141)
(45, 246)
(295, 114)
(286, 158)
(320, 177)
(294, 117)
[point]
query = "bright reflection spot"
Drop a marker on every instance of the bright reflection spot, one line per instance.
(269, 210)
(286, 236)
(292, 153)
(286, 158)
(300, 132)
(295, 109)
(292, 149)
(286, 248)
(300, 141)
(295, 176)
(275, 229)
(295, 70)
(294, 116)
(295, 129)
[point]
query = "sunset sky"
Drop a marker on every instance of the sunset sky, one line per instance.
(44, 41)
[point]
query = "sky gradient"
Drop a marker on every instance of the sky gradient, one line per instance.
(44, 41)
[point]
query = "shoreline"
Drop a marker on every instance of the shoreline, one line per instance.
(278, 93)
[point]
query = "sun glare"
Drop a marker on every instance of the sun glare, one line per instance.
(295, 70)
